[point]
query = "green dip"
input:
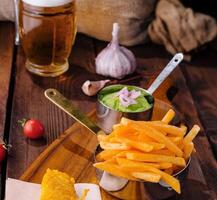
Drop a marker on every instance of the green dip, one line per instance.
(109, 97)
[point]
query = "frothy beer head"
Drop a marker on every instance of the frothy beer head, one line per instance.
(47, 3)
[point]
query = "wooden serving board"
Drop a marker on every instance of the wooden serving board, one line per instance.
(73, 153)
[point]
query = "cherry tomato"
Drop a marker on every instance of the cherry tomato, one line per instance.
(2, 152)
(33, 128)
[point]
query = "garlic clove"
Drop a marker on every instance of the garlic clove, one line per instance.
(91, 88)
(115, 61)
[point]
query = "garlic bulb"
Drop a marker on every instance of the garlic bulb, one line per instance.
(115, 61)
(91, 88)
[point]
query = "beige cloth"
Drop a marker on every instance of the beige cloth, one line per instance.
(179, 29)
(95, 18)
(7, 10)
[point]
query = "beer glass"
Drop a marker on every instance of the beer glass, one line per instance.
(47, 29)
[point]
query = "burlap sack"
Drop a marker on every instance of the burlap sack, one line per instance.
(95, 18)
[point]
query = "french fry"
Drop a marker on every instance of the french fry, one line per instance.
(165, 165)
(123, 154)
(134, 144)
(160, 122)
(191, 134)
(114, 146)
(141, 166)
(138, 145)
(135, 165)
(106, 154)
(146, 157)
(158, 136)
(143, 146)
(116, 126)
(147, 176)
(101, 137)
(125, 121)
(114, 140)
(164, 133)
(144, 138)
(168, 117)
(188, 148)
(155, 165)
(113, 169)
(170, 180)
(156, 146)
(126, 132)
(175, 140)
(111, 160)
(165, 152)
(130, 136)
(173, 130)
(184, 128)
(181, 145)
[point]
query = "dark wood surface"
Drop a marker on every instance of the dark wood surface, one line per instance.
(6, 61)
(6, 83)
(21, 96)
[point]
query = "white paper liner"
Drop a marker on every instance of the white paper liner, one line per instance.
(20, 190)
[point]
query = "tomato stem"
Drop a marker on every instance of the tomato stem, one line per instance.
(22, 122)
(5, 145)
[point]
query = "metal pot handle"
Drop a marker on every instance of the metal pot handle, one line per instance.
(16, 14)
(166, 72)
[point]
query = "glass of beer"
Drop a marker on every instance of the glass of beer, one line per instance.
(47, 30)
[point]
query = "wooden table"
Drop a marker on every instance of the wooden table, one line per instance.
(21, 96)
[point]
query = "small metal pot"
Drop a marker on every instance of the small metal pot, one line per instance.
(180, 175)
(107, 117)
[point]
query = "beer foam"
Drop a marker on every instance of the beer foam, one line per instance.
(47, 3)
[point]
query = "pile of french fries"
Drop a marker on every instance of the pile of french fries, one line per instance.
(147, 150)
